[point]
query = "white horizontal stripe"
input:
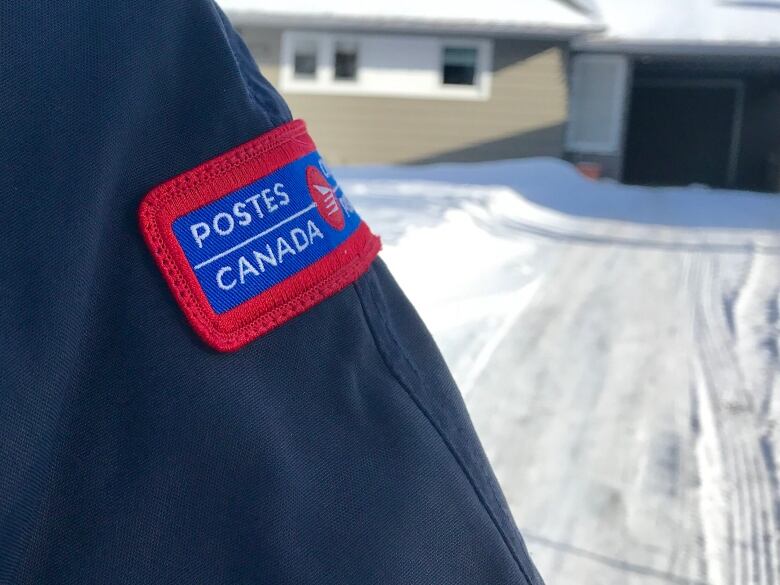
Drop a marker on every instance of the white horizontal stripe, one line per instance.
(253, 238)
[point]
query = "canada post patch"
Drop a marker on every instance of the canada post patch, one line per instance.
(255, 237)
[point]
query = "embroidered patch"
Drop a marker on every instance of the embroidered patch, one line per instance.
(255, 237)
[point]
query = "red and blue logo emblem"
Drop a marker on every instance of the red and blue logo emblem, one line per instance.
(255, 237)
(324, 196)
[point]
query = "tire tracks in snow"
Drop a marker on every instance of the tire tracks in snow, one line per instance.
(739, 501)
(739, 495)
(724, 517)
(523, 298)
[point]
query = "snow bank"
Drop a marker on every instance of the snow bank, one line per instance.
(558, 186)
(459, 236)
(468, 280)
(550, 196)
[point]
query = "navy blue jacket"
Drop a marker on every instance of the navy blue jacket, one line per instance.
(334, 449)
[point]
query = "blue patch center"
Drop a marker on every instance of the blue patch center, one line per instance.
(256, 237)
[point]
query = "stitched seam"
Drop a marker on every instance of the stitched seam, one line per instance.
(187, 296)
(303, 300)
(407, 387)
(210, 171)
(276, 316)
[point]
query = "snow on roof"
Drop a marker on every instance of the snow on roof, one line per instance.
(704, 23)
(499, 15)
(741, 22)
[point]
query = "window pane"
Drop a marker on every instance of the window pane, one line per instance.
(460, 66)
(345, 61)
(305, 61)
(598, 88)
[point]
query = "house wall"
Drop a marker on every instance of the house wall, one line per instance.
(524, 115)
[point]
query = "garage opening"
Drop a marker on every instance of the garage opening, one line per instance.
(714, 122)
(683, 132)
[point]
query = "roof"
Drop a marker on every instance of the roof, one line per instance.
(555, 17)
(744, 27)
(706, 24)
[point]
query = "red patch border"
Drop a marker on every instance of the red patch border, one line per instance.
(215, 179)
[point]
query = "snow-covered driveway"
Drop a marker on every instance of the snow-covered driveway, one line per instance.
(618, 351)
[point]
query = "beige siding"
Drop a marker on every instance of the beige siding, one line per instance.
(524, 115)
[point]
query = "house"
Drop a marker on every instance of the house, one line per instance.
(649, 91)
(673, 92)
(412, 81)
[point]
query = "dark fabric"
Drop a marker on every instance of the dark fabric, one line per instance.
(333, 450)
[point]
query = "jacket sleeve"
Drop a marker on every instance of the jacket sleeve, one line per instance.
(333, 449)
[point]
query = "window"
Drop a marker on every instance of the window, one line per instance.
(345, 61)
(305, 60)
(597, 103)
(388, 65)
(459, 66)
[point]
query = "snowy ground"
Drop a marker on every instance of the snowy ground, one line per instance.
(618, 351)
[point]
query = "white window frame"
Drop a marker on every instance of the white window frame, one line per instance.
(324, 82)
(482, 76)
(314, 45)
(347, 40)
(612, 145)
